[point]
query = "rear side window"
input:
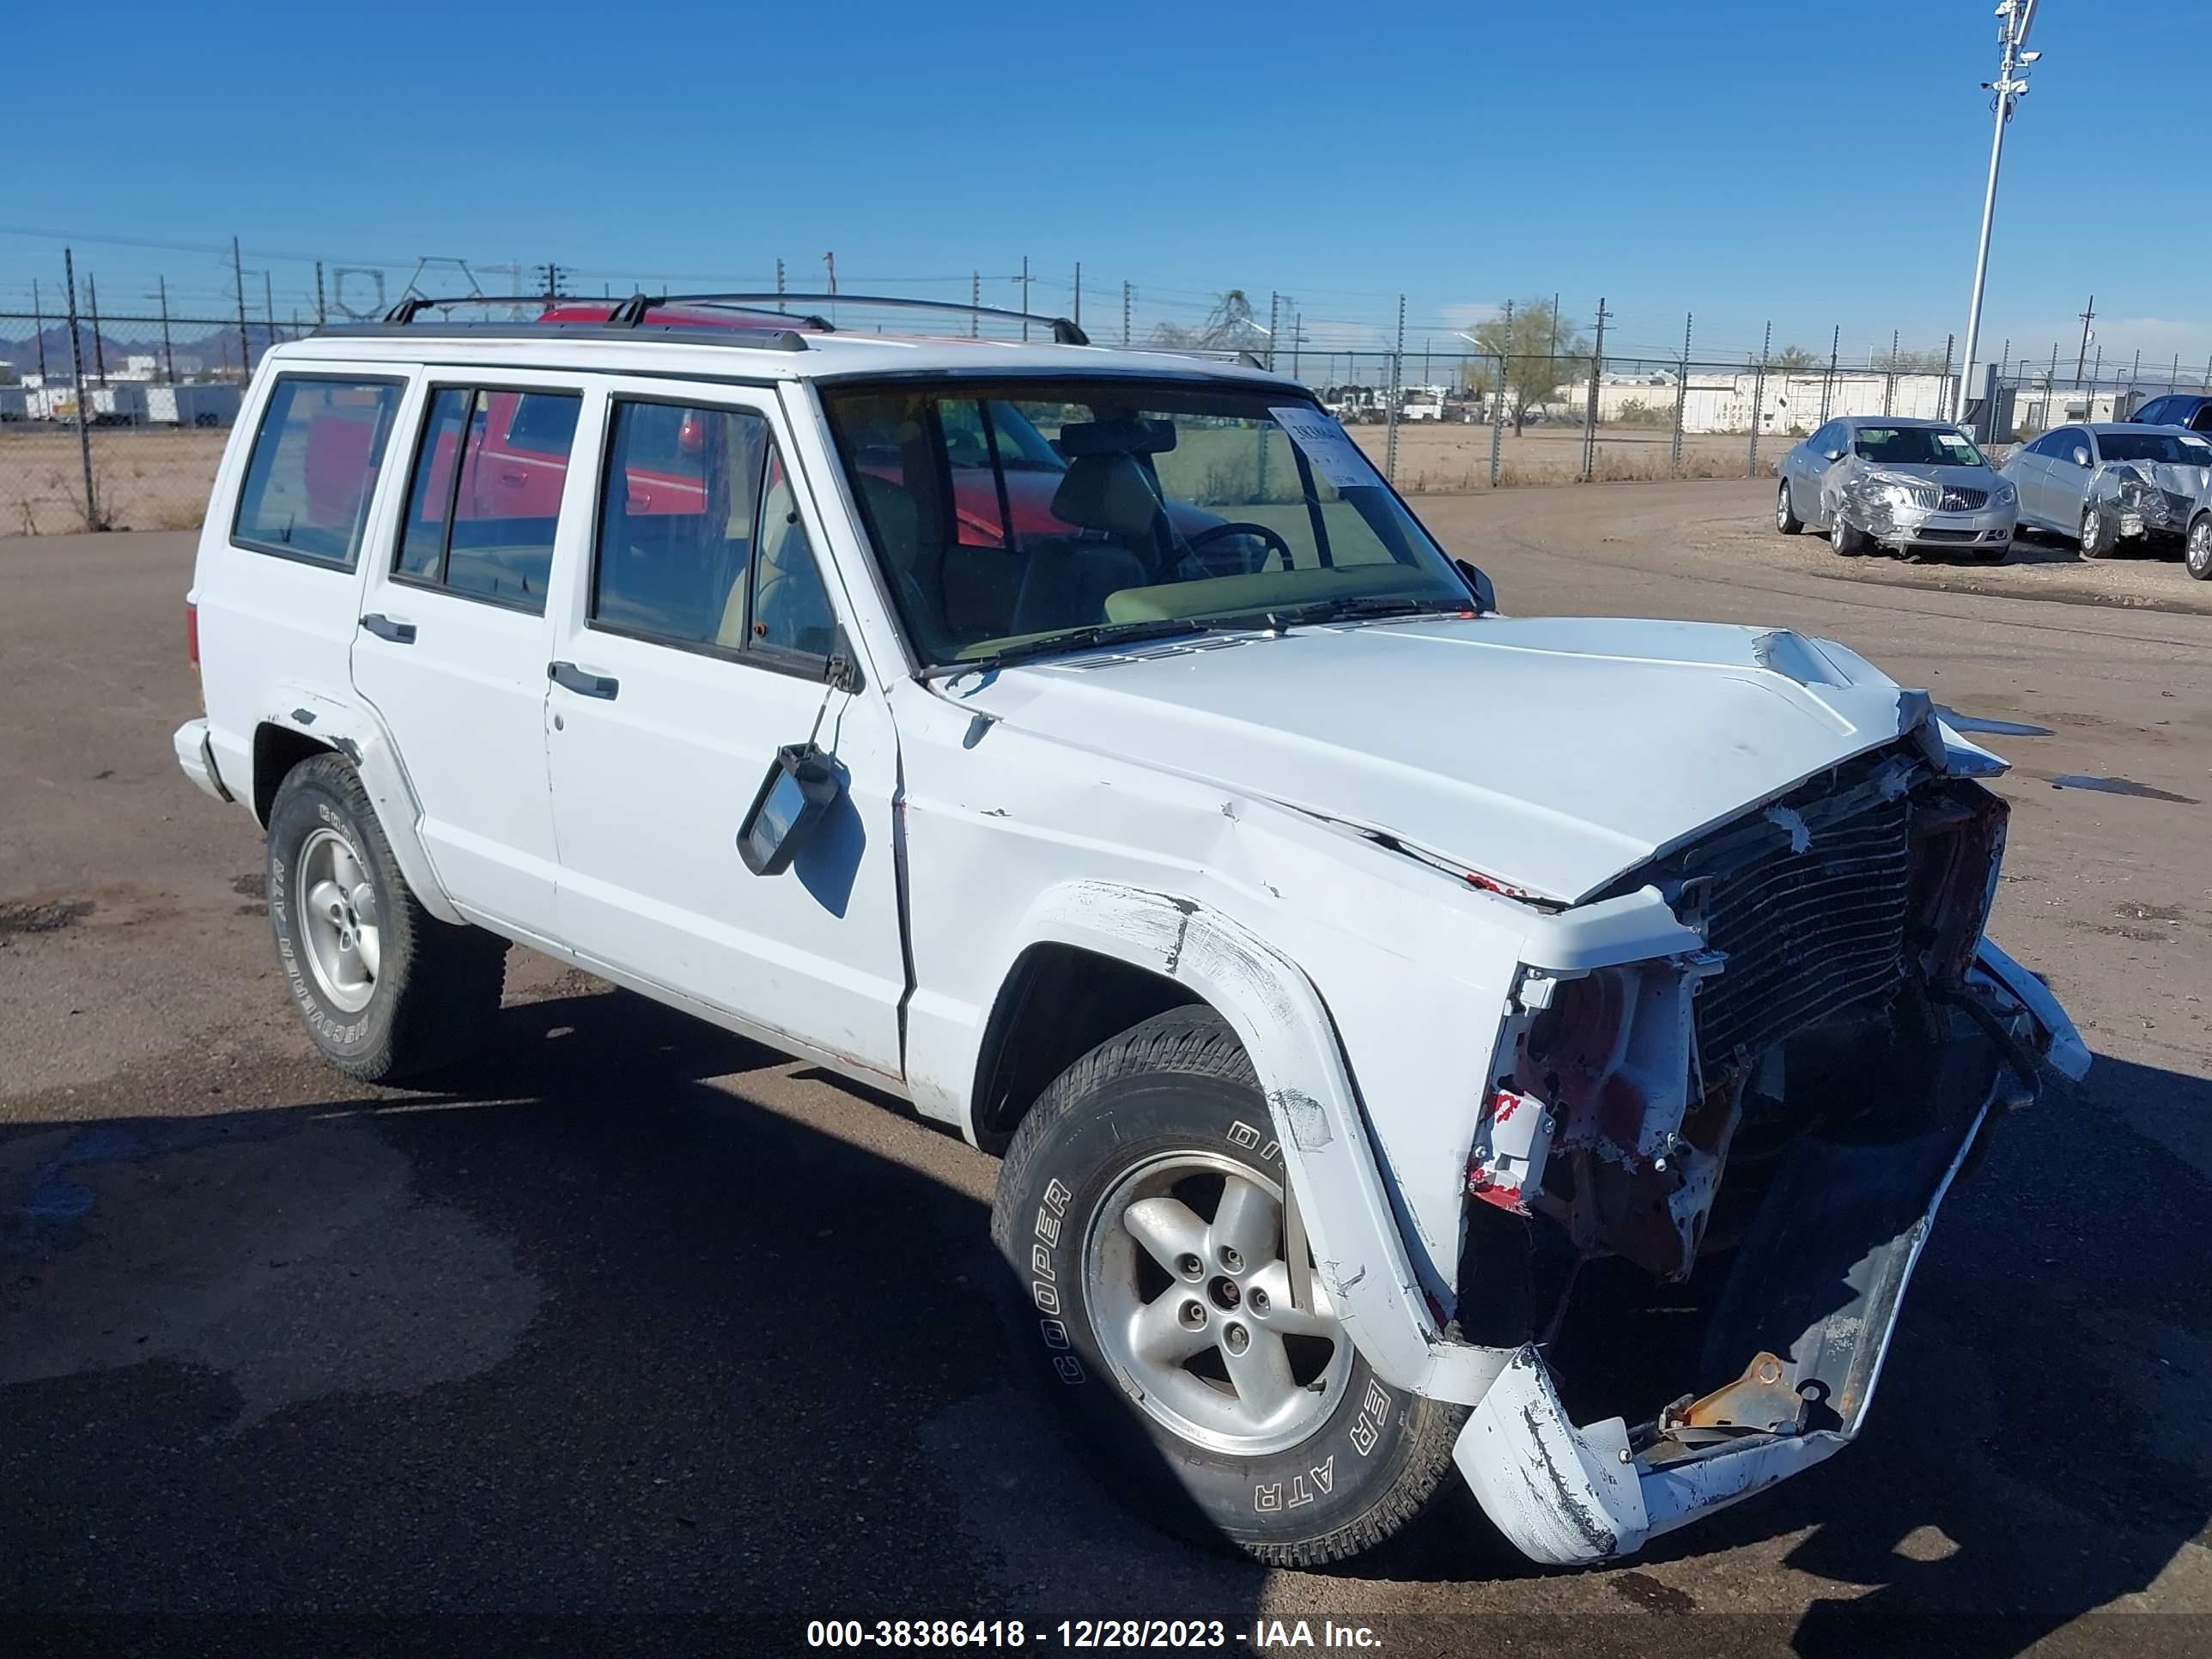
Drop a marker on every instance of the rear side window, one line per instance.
(482, 507)
(699, 540)
(313, 468)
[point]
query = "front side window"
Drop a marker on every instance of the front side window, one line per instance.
(1013, 514)
(700, 543)
(481, 514)
(313, 468)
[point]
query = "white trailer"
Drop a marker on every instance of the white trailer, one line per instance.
(215, 404)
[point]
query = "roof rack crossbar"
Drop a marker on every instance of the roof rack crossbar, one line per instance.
(1064, 332)
(415, 304)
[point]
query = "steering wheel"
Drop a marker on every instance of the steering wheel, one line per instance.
(1215, 532)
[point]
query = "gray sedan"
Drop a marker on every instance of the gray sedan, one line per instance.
(1891, 481)
(2101, 482)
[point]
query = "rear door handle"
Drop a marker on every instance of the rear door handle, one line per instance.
(583, 684)
(399, 633)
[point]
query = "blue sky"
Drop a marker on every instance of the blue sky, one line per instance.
(1748, 160)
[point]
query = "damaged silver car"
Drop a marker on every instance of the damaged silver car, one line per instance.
(1917, 486)
(2102, 484)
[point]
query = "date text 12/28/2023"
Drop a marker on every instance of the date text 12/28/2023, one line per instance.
(926, 1634)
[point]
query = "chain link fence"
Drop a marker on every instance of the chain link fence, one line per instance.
(118, 422)
(95, 435)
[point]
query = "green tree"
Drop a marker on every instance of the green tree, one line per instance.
(1793, 356)
(1932, 360)
(1544, 354)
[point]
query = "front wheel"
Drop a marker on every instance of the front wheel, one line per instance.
(1140, 1213)
(2100, 530)
(1847, 542)
(1785, 512)
(2196, 554)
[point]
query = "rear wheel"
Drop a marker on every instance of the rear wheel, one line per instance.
(1140, 1215)
(385, 989)
(1785, 512)
(2196, 554)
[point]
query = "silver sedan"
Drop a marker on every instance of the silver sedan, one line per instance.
(1890, 481)
(2100, 483)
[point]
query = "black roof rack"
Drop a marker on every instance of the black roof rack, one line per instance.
(1064, 332)
(415, 304)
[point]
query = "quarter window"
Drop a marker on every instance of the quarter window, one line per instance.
(484, 501)
(313, 469)
(700, 543)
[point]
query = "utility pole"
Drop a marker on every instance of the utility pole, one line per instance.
(1299, 338)
(268, 307)
(77, 376)
(244, 343)
(1681, 399)
(322, 311)
(2088, 315)
(1597, 366)
(780, 287)
(168, 357)
(1024, 280)
(2015, 19)
(99, 351)
(1078, 319)
(1125, 313)
(974, 301)
(39, 322)
(1397, 376)
(1835, 355)
(1759, 399)
(1274, 321)
(550, 275)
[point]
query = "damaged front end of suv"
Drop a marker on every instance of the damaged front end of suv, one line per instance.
(1762, 1120)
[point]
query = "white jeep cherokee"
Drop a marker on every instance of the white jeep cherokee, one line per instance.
(1368, 991)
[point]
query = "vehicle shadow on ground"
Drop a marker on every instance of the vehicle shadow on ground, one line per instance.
(575, 1333)
(2035, 1449)
(582, 1333)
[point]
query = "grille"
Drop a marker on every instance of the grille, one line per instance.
(1964, 501)
(1946, 535)
(1806, 933)
(1925, 494)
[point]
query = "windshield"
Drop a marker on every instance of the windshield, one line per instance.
(2154, 446)
(1916, 446)
(1007, 516)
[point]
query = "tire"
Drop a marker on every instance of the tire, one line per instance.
(1785, 512)
(2099, 531)
(2197, 550)
(1169, 1115)
(403, 993)
(1848, 543)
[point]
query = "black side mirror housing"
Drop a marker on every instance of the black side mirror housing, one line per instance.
(1478, 583)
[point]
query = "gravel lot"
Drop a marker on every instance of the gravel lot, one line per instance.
(640, 1338)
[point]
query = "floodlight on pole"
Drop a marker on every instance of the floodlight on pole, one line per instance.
(2015, 19)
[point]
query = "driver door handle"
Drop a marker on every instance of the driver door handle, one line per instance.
(567, 674)
(399, 633)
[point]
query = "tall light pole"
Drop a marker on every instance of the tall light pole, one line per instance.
(2015, 19)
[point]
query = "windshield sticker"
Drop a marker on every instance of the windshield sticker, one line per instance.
(1334, 456)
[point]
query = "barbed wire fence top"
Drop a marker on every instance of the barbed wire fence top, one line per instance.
(115, 405)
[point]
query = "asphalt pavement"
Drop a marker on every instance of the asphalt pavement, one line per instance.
(638, 1338)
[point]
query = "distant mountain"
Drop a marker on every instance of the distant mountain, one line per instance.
(214, 347)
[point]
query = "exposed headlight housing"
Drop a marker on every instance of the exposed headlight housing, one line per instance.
(2004, 493)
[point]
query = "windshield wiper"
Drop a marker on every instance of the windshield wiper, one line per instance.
(1076, 639)
(1360, 607)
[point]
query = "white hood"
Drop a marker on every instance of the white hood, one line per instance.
(1553, 754)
